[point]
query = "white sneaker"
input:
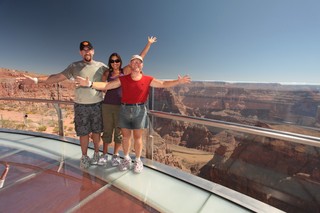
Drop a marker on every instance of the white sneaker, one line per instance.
(95, 158)
(103, 160)
(125, 164)
(84, 162)
(115, 161)
(138, 166)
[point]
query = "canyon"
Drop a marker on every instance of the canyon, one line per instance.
(280, 173)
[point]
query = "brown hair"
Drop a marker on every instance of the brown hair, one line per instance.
(119, 57)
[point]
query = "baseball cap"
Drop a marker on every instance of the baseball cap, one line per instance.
(136, 57)
(85, 44)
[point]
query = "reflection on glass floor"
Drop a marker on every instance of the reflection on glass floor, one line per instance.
(44, 176)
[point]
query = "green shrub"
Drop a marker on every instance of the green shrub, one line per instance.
(41, 128)
(21, 126)
(55, 130)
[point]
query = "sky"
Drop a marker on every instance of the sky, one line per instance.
(215, 40)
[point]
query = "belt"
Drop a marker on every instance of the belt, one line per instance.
(137, 104)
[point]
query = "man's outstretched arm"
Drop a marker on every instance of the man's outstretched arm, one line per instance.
(51, 79)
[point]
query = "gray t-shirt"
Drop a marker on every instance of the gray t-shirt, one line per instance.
(94, 71)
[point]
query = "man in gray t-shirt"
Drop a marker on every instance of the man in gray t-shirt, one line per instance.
(87, 108)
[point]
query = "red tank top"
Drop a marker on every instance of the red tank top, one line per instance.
(135, 91)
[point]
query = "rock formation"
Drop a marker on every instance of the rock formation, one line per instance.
(274, 171)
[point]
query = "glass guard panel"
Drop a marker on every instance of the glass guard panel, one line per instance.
(37, 117)
(281, 172)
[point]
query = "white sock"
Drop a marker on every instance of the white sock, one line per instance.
(138, 159)
(127, 157)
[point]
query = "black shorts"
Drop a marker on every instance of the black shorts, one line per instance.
(88, 118)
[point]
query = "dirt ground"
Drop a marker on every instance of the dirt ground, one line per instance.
(33, 121)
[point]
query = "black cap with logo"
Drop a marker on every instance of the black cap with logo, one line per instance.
(86, 44)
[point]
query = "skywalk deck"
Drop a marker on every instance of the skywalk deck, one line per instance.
(44, 176)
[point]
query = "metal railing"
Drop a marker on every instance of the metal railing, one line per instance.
(55, 103)
(260, 131)
(287, 136)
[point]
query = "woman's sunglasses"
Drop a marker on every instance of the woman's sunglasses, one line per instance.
(114, 61)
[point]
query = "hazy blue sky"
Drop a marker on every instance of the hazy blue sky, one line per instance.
(221, 40)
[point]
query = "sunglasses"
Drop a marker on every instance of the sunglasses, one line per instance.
(115, 61)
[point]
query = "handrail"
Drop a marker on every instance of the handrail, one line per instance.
(287, 136)
(37, 100)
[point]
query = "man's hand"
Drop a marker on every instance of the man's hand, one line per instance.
(26, 80)
(84, 82)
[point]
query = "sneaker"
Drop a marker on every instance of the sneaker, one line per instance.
(138, 166)
(84, 162)
(95, 158)
(125, 164)
(103, 160)
(115, 161)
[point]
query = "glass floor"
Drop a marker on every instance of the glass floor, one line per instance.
(44, 176)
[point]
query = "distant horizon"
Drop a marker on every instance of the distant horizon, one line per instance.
(213, 81)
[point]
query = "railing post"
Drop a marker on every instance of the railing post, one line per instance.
(149, 145)
(149, 137)
(60, 119)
